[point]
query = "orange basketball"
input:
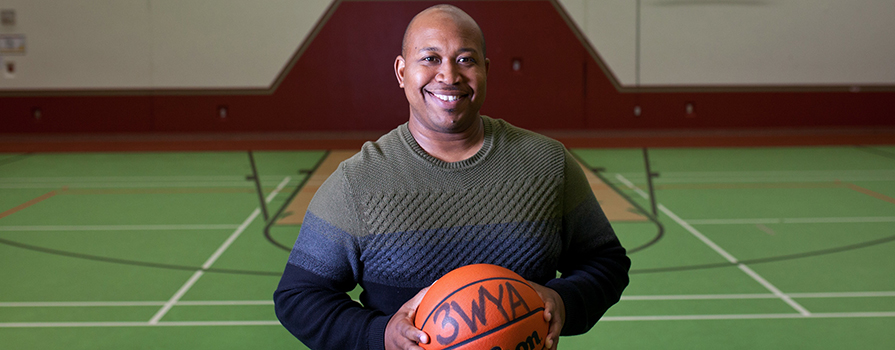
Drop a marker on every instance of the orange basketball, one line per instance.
(482, 307)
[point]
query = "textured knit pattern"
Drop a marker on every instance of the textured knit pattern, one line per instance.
(393, 218)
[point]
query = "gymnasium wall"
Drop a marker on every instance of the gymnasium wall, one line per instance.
(288, 65)
(741, 42)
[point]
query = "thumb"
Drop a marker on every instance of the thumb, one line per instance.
(414, 303)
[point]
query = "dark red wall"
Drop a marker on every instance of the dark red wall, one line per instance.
(344, 80)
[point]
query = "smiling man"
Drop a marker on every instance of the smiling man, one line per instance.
(447, 189)
(443, 70)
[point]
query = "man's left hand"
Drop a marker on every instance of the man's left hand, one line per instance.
(554, 313)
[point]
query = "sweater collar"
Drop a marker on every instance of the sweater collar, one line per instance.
(421, 154)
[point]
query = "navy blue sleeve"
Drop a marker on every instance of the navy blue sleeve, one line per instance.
(311, 300)
(593, 265)
(591, 286)
(319, 313)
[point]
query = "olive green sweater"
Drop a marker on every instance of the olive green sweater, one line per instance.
(393, 219)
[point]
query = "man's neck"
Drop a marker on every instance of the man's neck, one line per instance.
(450, 147)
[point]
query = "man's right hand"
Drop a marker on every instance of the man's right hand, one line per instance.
(400, 333)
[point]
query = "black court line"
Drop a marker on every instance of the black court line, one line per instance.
(879, 152)
(15, 158)
(254, 178)
(292, 195)
(770, 259)
(597, 172)
(815, 253)
(660, 229)
(131, 262)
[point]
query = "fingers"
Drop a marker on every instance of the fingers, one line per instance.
(416, 300)
(554, 327)
(553, 332)
(415, 335)
(554, 313)
(400, 333)
(411, 337)
(414, 303)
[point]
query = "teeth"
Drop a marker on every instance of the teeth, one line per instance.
(447, 98)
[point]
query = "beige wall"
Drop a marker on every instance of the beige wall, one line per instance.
(227, 43)
(80, 44)
(156, 44)
(196, 44)
(742, 42)
(610, 27)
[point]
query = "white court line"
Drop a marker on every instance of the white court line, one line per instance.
(189, 283)
(278, 189)
(119, 227)
(134, 303)
(135, 324)
(631, 186)
(80, 185)
(214, 257)
(80, 303)
(180, 292)
(604, 319)
(131, 179)
(624, 298)
(129, 182)
(769, 173)
(843, 295)
(745, 180)
(730, 258)
(757, 221)
(225, 302)
(771, 176)
(747, 316)
(757, 296)
(786, 298)
(801, 309)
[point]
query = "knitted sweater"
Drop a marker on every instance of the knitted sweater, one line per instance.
(393, 219)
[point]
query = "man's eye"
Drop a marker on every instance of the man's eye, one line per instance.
(431, 59)
(466, 60)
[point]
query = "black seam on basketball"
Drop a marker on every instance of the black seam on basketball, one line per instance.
(505, 325)
(464, 287)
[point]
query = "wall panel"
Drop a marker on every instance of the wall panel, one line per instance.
(344, 78)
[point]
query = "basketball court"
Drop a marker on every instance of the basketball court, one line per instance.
(770, 247)
(157, 159)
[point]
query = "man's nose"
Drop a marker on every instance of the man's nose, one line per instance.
(448, 73)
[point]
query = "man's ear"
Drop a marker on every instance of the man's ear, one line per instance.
(399, 70)
(487, 65)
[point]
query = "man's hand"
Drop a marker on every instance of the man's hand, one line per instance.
(400, 334)
(554, 313)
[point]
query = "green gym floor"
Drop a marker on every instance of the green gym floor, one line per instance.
(753, 248)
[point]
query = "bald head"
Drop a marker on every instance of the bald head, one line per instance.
(439, 13)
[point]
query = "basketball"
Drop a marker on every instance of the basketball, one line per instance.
(482, 307)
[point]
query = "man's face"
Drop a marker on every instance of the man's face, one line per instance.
(443, 72)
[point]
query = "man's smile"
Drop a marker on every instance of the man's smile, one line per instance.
(449, 98)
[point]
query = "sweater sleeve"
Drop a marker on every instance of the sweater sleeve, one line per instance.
(311, 300)
(593, 266)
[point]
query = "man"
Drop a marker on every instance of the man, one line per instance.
(447, 189)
